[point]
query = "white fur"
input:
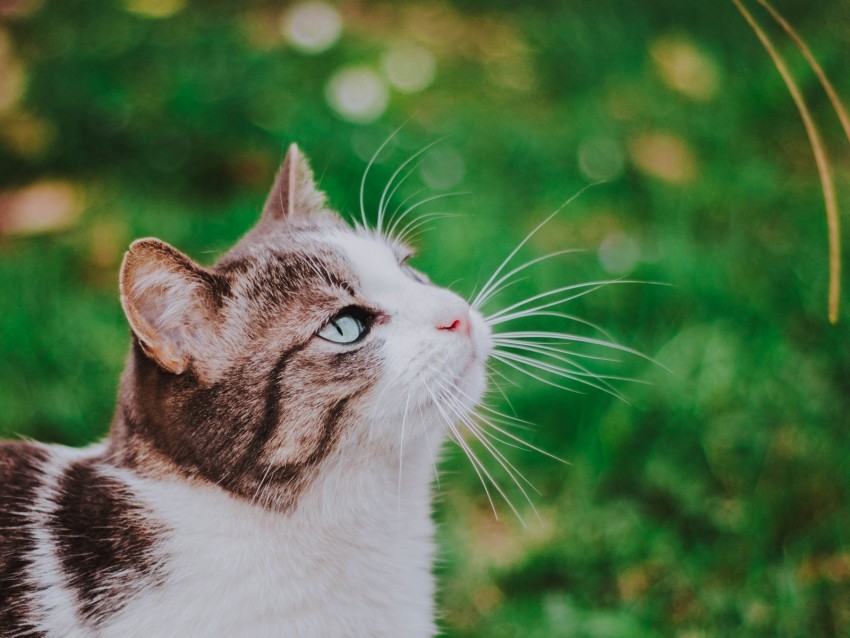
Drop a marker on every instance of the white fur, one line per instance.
(346, 562)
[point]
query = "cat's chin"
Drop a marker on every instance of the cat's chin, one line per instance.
(472, 379)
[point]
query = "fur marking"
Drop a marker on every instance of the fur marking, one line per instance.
(105, 540)
(20, 476)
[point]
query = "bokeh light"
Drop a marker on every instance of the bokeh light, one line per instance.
(155, 8)
(409, 67)
(312, 27)
(619, 253)
(600, 159)
(357, 94)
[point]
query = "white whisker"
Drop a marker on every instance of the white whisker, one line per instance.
(559, 371)
(385, 197)
(401, 453)
(557, 354)
(525, 241)
(511, 420)
(366, 174)
(549, 346)
(421, 203)
(585, 288)
(492, 289)
(558, 336)
(534, 376)
(476, 461)
(454, 405)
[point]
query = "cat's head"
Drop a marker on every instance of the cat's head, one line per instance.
(308, 338)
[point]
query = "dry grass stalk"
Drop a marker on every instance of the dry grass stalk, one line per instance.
(818, 149)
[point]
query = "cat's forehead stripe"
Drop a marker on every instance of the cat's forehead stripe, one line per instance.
(298, 270)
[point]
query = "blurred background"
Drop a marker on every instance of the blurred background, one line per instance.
(713, 501)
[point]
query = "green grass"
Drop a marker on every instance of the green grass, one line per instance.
(714, 502)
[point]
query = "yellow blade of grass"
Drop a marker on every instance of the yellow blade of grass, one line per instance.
(837, 104)
(821, 160)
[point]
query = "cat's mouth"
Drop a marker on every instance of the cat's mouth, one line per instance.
(469, 380)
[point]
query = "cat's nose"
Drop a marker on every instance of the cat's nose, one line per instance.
(457, 321)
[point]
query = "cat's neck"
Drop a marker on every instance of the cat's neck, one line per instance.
(360, 535)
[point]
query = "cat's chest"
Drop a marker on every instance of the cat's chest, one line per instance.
(229, 569)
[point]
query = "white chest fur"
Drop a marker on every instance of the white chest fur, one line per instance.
(353, 559)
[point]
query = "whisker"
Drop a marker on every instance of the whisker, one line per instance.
(515, 475)
(498, 386)
(427, 200)
(526, 239)
(497, 455)
(384, 198)
(366, 174)
(563, 315)
(459, 440)
(535, 376)
(402, 204)
(521, 443)
(428, 443)
(551, 347)
(561, 372)
(490, 290)
(401, 454)
(593, 286)
(507, 465)
(418, 222)
(554, 353)
(508, 419)
(558, 336)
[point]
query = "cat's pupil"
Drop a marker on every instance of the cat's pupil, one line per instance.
(344, 328)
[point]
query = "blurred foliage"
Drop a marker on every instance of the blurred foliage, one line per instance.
(716, 501)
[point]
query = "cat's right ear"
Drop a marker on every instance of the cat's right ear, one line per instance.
(294, 193)
(171, 303)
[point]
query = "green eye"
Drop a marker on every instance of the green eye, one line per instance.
(343, 329)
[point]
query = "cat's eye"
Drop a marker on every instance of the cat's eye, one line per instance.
(344, 328)
(414, 274)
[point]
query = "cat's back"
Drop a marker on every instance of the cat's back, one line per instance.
(74, 542)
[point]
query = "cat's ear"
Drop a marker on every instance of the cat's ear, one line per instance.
(294, 193)
(171, 303)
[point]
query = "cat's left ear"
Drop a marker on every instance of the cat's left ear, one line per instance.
(172, 305)
(294, 194)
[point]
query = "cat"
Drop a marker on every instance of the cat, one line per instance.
(268, 471)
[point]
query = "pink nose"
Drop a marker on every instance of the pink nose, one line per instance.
(458, 322)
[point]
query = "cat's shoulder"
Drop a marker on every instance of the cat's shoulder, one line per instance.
(22, 471)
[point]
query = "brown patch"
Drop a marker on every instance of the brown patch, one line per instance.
(284, 483)
(231, 432)
(106, 541)
(20, 477)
